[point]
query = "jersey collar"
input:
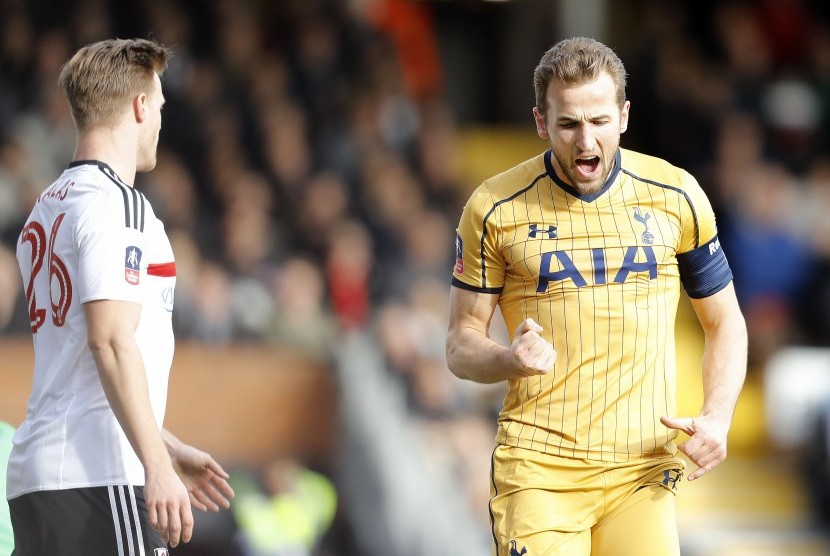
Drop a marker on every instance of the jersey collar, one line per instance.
(571, 189)
(103, 166)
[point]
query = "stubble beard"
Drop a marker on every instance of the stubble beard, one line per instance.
(584, 188)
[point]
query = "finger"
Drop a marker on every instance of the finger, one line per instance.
(698, 473)
(152, 515)
(210, 498)
(702, 471)
(162, 522)
(536, 351)
(221, 493)
(709, 456)
(690, 449)
(544, 360)
(174, 527)
(696, 448)
(217, 469)
(187, 523)
(685, 424)
(199, 501)
(528, 325)
(224, 489)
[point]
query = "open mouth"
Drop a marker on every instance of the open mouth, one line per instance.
(587, 165)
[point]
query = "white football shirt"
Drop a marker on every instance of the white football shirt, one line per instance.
(89, 236)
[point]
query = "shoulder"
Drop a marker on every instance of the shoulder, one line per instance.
(102, 194)
(657, 172)
(510, 183)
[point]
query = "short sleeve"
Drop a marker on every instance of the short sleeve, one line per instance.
(698, 222)
(111, 249)
(479, 265)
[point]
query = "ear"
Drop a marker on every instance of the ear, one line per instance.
(624, 116)
(541, 126)
(140, 107)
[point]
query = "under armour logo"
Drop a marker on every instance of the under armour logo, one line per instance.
(671, 477)
(535, 231)
(514, 551)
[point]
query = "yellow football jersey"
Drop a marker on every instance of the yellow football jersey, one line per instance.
(600, 274)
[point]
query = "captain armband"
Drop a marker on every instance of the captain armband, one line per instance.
(704, 271)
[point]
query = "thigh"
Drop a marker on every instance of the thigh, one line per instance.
(99, 520)
(541, 505)
(644, 525)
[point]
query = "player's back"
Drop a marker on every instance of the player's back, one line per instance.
(48, 255)
(77, 228)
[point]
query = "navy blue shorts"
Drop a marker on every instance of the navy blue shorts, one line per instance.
(82, 521)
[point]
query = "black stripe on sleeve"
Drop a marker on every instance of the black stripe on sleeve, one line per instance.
(464, 286)
(484, 225)
(133, 214)
(127, 221)
(141, 211)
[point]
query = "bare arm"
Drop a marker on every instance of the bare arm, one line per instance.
(472, 355)
(724, 370)
(112, 326)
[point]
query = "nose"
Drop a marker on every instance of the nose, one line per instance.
(585, 139)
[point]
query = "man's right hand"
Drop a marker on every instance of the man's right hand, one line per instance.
(532, 354)
(168, 505)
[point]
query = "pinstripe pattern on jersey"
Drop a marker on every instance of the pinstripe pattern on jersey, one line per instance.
(487, 216)
(604, 285)
(125, 520)
(676, 189)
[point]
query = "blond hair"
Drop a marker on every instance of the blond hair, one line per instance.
(103, 77)
(575, 61)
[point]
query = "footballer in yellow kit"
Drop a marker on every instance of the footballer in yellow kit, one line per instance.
(584, 248)
(562, 258)
(600, 274)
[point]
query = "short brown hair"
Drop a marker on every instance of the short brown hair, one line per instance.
(575, 61)
(101, 78)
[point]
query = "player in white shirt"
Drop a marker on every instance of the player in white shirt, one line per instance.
(91, 466)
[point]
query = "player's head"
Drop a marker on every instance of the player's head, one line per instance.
(575, 61)
(581, 109)
(107, 80)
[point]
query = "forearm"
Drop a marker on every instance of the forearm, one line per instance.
(171, 442)
(724, 368)
(473, 356)
(121, 370)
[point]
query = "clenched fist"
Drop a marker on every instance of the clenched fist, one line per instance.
(532, 354)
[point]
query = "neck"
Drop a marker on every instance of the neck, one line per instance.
(111, 146)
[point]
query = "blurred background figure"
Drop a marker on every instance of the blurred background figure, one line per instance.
(286, 511)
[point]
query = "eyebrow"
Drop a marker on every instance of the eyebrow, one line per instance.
(566, 119)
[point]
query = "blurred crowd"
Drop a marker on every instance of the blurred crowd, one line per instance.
(309, 177)
(739, 94)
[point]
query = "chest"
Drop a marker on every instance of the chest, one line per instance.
(605, 242)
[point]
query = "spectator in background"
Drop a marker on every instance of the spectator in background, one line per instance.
(284, 511)
(301, 317)
(9, 286)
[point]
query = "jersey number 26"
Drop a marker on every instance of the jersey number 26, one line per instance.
(35, 234)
